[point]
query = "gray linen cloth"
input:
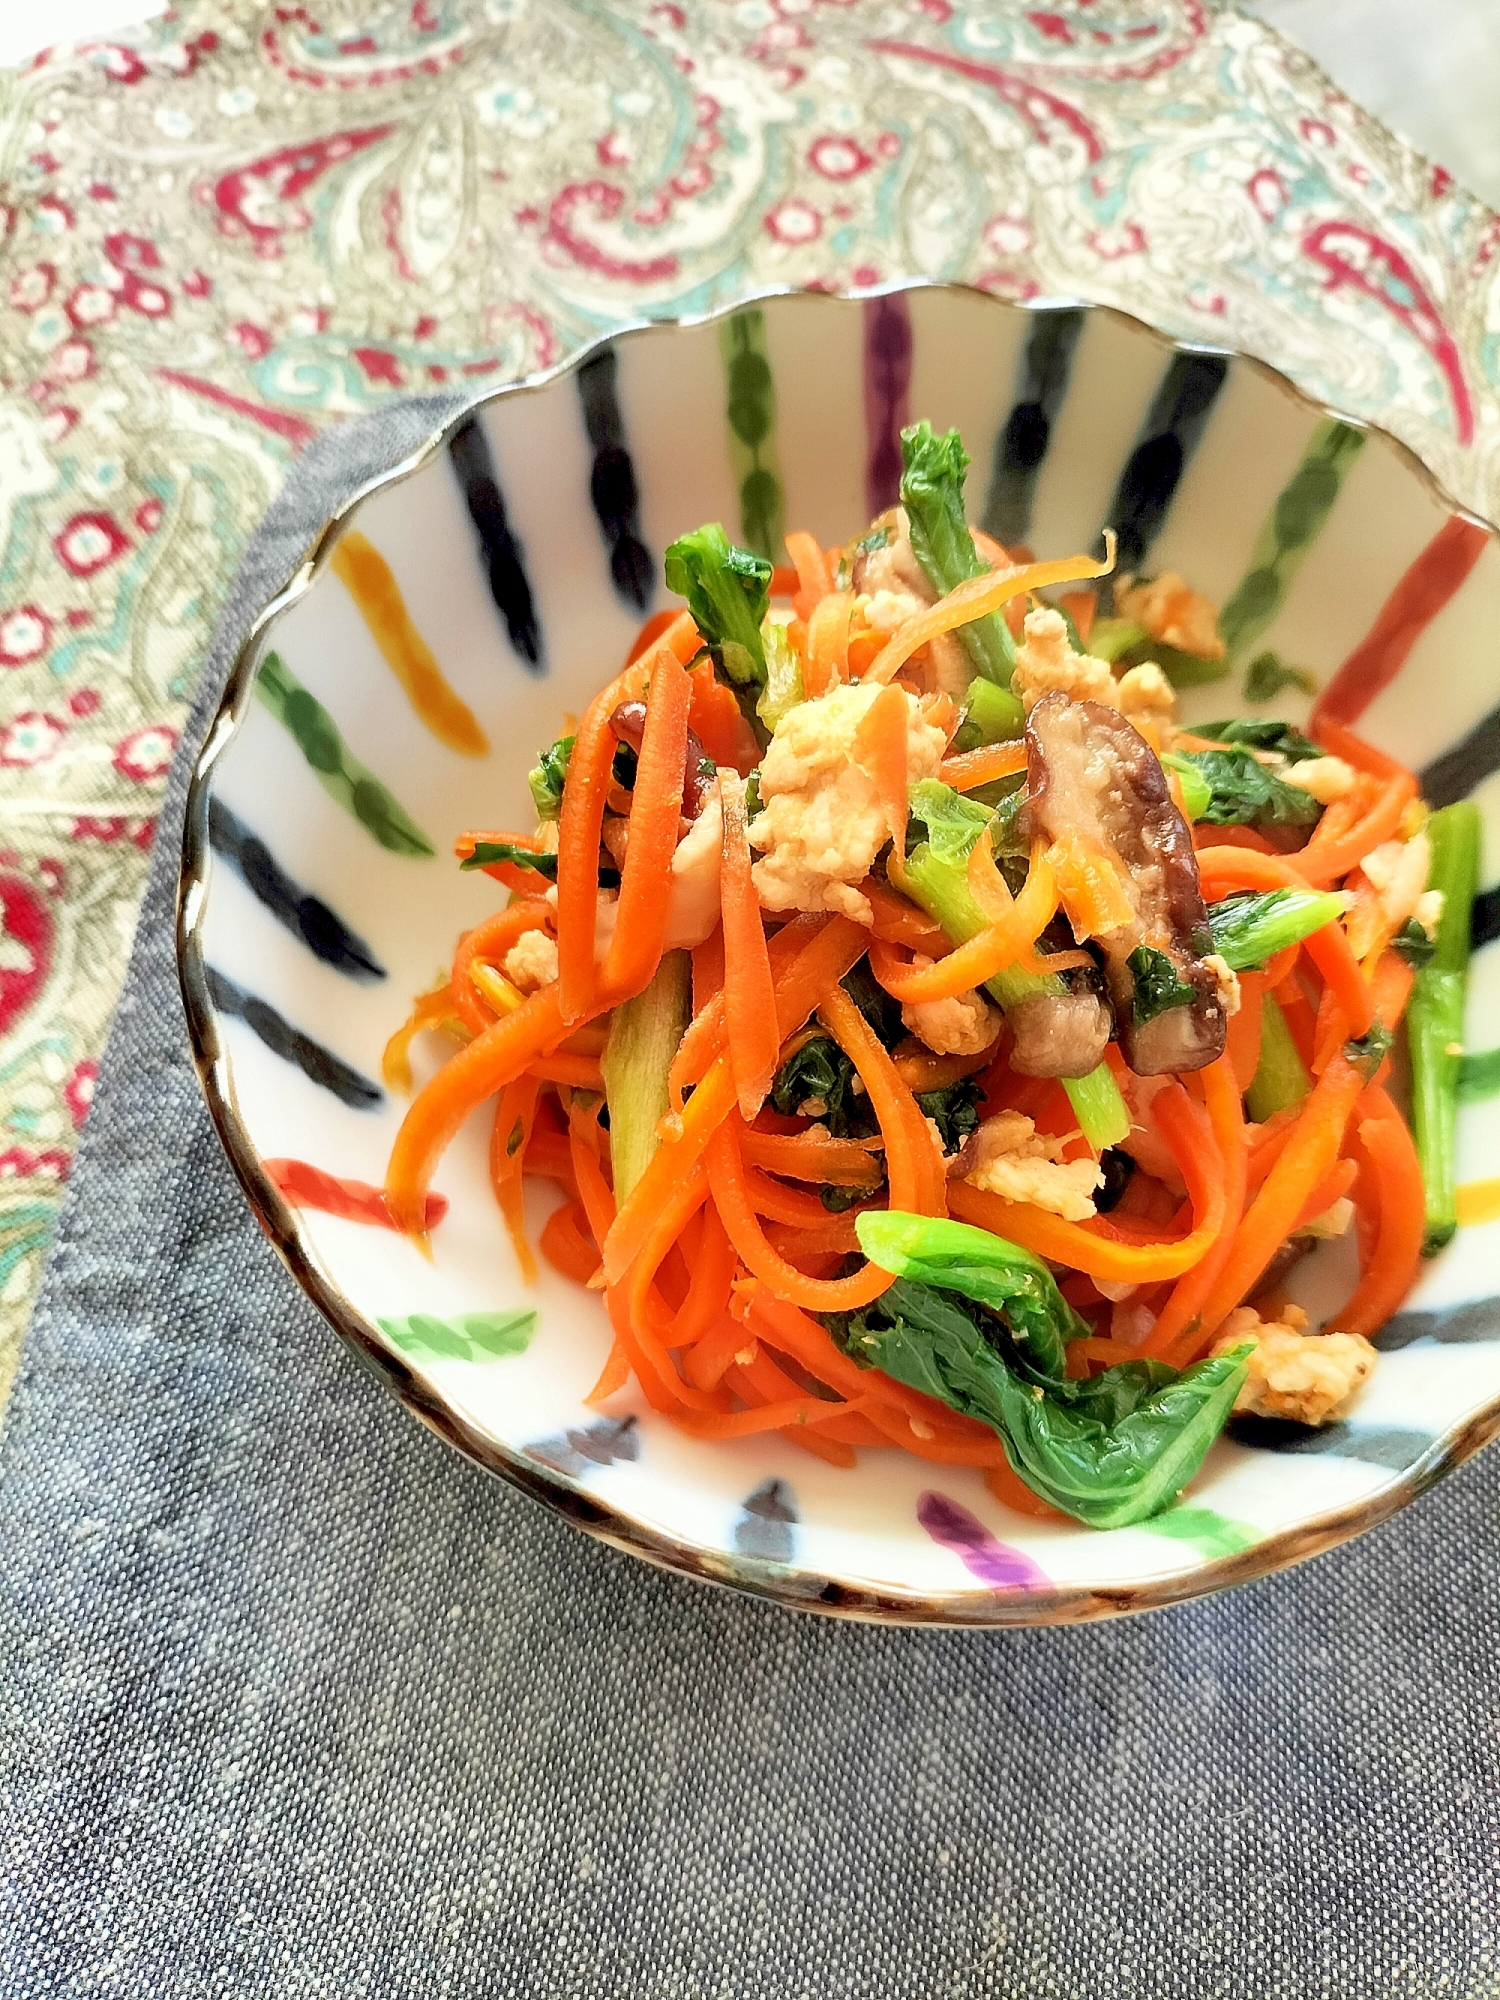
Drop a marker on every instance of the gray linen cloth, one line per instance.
(296, 1702)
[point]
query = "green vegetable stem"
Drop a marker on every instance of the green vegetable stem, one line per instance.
(1248, 929)
(936, 877)
(644, 1034)
(991, 715)
(1435, 1017)
(932, 492)
(1281, 1076)
(1111, 1450)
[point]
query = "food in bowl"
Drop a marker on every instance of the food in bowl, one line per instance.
(935, 1045)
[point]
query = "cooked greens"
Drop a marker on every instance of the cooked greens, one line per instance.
(547, 777)
(1157, 987)
(1110, 1450)
(932, 492)
(1250, 928)
(488, 852)
(728, 591)
(1245, 792)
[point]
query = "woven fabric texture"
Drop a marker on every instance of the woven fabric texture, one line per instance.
(295, 1702)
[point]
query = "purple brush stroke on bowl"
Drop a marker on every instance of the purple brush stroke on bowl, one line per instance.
(994, 1562)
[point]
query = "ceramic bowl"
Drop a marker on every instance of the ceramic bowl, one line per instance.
(361, 731)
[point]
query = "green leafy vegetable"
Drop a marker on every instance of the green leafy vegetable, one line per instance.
(1183, 670)
(1111, 638)
(1281, 1076)
(547, 778)
(935, 876)
(1248, 929)
(1157, 988)
(817, 1081)
(1261, 733)
(783, 689)
(643, 1037)
(1197, 792)
(1245, 792)
(1435, 1018)
(752, 793)
(1110, 1450)
(1122, 640)
(991, 715)
(1267, 675)
(932, 492)
(728, 591)
(1010, 1281)
(1414, 945)
(623, 767)
(488, 852)
(954, 1111)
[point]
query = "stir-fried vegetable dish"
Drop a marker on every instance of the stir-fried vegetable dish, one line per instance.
(938, 1047)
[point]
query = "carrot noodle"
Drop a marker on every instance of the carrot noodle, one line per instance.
(989, 952)
(829, 953)
(428, 1010)
(982, 767)
(977, 599)
(1181, 1316)
(567, 1245)
(733, 1237)
(508, 1140)
(814, 577)
(825, 662)
(492, 1060)
(1307, 1156)
(880, 749)
(749, 990)
(641, 923)
(811, 1157)
(916, 1174)
(487, 941)
(1242, 1043)
(898, 921)
(718, 722)
(1101, 1247)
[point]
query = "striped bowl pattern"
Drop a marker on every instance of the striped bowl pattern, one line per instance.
(448, 620)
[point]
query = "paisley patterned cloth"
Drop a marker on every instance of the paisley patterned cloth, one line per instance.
(240, 224)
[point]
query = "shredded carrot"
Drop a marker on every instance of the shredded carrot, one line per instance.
(492, 1060)
(580, 824)
(879, 748)
(1081, 606)
(922, 1072)
(977, 599)
(1327, 856)
(1090, 885)
(1307, 1156)
(490, 940)
(1181, 1316)
(898, 921)
(1242, 1043)
(1102, 1248)
(973, 768)
(829, 953)
(825, 661)
(568, 1247)
(508, 1140)
(994, 948)
(749, 991)
(718, 722)
(809, 1156)
(641, 921)
(428, 1010)
(814, 576)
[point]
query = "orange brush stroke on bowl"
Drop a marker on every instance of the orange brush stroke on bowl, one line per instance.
(366, 575)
